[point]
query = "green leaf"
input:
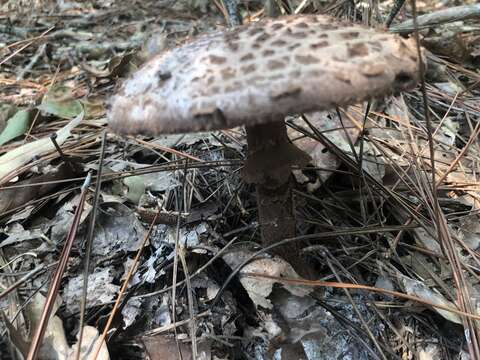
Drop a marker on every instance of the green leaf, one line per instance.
(17, 125)
(58, 101)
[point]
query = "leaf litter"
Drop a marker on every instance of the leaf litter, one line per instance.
(369, 186)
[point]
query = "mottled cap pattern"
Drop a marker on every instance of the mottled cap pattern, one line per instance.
(258, 72)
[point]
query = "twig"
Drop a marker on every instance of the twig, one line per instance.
(26, 45)
(456, 13)
(33, 61)
(339, 285)
(57, 277)
(88, 251)
(397, 6)
(20, 281)
(179, 252)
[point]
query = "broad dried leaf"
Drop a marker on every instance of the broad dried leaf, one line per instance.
(329, 124)
(18, 196)
(260, 289)
(418, 289)
(166, 348)
(54, 344)
(90, 342)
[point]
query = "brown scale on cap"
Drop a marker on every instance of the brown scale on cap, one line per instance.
(244, 76)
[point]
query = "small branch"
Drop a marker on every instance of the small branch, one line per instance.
(456, 13)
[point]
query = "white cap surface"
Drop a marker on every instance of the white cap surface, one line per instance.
(254, 73)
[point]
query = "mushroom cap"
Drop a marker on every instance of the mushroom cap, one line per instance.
(255, 73)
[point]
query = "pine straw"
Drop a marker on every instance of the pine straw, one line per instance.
(358, 228)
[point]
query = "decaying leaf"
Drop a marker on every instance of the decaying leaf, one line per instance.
(329, 124)
(469, 231)
(301, 314)
(131, 311)
(416, 288)
(260, 289)
(101, 290)
(60, 224)
(166, 348)
(90, 341)
(117, 229)
(136, 188)
(23, 192)
(54, 341)
(15, 233)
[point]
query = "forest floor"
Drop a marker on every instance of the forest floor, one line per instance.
(166, 229)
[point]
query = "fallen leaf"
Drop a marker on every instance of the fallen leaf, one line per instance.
(166, 348)
(11, 198)
(26, 153)
(260, 289)
(54, 344)
(17, 125)
(329, 124)
(101, 290)
(416, 288)
(59, 102)
(90, 342)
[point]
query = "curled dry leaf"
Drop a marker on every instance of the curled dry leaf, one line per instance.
(260, 289)
(418, 289)
(90, 341)
(54, 341)
(328, 123)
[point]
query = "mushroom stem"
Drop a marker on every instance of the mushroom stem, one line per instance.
(276, 214)
(270, 158)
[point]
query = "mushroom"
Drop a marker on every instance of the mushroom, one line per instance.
(255, 75)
